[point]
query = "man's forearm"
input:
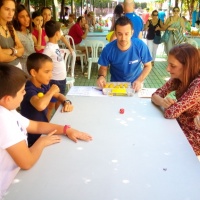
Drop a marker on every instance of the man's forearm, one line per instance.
(145, 72)
(102, 71)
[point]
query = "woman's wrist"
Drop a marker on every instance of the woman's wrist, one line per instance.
(13, 51)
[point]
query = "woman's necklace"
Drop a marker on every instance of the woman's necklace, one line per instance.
(6, 30)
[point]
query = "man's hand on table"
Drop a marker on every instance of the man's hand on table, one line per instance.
(137, 85)
(101, 82)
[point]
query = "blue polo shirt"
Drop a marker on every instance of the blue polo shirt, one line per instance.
(30, 112)
(137, 23)
(161, 16)
(125, 66)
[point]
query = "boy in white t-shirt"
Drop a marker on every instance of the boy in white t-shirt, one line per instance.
(53, 31)
(14, 152)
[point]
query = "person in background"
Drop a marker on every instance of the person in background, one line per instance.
(173, 23)
(129, 10)
(187, 24)
(39, 36)
(79, 32)
(91, 21)
(125, 57)
(52, 29)
(22, 25)
(118, 12)
(46, 13)
(195, 15)
(145, 17)
(161, 15)
(153, 27)
(10, 46)
(101, 22)
(14, 152)
(183, 66)
(66, 12)
(71, 21)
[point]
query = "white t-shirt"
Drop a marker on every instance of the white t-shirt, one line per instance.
(59, 67)
(13, 130)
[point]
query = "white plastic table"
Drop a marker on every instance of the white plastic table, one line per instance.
(138, 155)
(97, 34)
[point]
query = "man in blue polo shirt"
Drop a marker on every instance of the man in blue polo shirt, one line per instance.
(125, 55)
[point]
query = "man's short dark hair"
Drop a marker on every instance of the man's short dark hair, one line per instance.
(51, 27)
(123, 21)
(12, 80)
(35, 61)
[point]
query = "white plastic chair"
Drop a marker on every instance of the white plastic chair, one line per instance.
(78, 52)
(93, 48)
(70, 60)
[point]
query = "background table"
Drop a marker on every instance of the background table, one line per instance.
(97, 34)
(103, 39)
(138, 155)
(196, 38)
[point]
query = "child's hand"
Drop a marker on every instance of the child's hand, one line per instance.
(86, 27)
(49, 139)
(54, 89)
(68, 107)
(74, 134)
(38, 27)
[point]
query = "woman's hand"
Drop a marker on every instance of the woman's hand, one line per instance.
(167, 102)
(163, 102)
(197, 121)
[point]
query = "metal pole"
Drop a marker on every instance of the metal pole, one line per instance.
(81, 7)
(72, 7)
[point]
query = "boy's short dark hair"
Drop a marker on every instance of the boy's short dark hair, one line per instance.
(35, 61)
(12, 80)
(51, 27)
(123, 21)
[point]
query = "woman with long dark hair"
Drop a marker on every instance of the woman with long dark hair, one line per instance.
(118, 12)
(10, 46)
(183, 66)
(153, 27)
(22, 25)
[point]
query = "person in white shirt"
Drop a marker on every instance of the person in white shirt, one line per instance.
(53, 31)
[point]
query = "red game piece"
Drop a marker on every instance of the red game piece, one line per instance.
(121, 111)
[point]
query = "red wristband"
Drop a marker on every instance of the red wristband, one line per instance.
(65, 129)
